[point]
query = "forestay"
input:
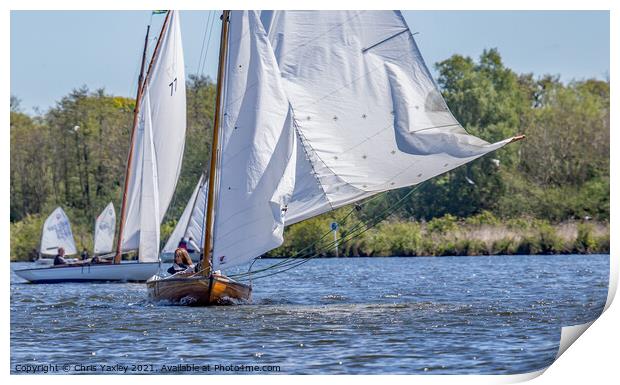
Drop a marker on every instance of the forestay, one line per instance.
(57, 233)
(164, 96)
(192, 221)
(104, 230)
(367, 118)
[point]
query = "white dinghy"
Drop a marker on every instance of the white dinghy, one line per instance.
(56, 233)
(76, 271)
(88, 272)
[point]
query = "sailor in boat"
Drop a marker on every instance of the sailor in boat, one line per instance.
(59, 259)
(182, 262)
(191, 246)
(33, 255)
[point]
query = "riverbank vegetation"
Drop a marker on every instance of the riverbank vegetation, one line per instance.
(547, 194)
(481, 234)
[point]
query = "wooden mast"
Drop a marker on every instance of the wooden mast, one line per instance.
(207, 255)
(141, 85)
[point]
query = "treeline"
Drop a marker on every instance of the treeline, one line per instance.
(74, 156)
(481, 234)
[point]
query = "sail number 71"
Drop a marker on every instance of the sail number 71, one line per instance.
(173, 86)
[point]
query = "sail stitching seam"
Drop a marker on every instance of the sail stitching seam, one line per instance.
(305, 143)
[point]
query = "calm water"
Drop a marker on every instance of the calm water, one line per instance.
(483, 315)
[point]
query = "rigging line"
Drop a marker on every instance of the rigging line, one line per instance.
(208, 44)
(341, 220)
(321, 248)
(204, 38)
(350, 235)
(342, 240)
(301, 255)
(134, 79)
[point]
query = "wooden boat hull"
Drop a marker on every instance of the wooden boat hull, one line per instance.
(123, 272)
(198, 290)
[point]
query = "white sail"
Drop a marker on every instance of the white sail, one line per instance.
(148, 250)
(57, 233)
(192, 221)
(258, 148)
(166, 102)
(104, 230)
(350, 105)
(368, 114)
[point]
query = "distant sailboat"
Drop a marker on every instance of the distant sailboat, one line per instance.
(104, 231)
(315, 110)
(56, 233)
(153, 167)
(191, 225)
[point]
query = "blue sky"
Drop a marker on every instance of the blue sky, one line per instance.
(53, 52)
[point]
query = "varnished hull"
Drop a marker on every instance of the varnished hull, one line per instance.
(198, 290)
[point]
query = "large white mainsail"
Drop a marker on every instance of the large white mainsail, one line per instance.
(367, 110)
(104, 230)
(192, 221)
(57, 233)
(163, 107)
(367, 117)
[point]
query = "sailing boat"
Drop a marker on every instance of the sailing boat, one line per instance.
(191, 225)
(56, 233)
(153, 167)
(317, 110)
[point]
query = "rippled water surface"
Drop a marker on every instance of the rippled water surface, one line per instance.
(483, 315)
